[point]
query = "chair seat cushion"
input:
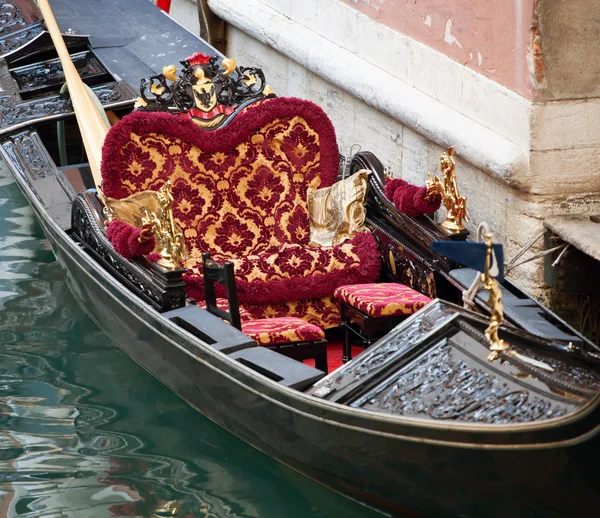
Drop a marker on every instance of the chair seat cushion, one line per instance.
(297, 271)
(271, 331)
(382, 300)
(223, 305)
(323, 312)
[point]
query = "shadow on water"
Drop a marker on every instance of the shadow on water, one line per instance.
(86, 432)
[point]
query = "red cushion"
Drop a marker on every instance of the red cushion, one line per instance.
(297, 272)
(237, 190)
(323, 312)
(271, 331)
(379, 300)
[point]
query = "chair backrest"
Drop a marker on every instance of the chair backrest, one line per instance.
(223, 274)
(239, 189)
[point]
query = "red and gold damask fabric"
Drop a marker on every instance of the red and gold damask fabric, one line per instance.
(237, 190)
(297, 272)
(271, 331)
(223, 305)
(323, 312)
(380, 300)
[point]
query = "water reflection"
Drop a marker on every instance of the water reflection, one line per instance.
(85, 432)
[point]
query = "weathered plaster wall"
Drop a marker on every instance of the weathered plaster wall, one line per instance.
(491, 36)
(570, 37)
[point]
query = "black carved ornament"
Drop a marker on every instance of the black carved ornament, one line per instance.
(204, 91)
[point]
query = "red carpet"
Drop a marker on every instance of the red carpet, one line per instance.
(334, 351)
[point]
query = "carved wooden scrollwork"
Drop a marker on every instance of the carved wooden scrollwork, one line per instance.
(204, 90)
(446, 385)
(164, 291)
(13, 113)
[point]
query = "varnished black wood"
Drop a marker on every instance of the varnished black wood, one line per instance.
(163, 289)
(278, 367)
(210, 329)
(369, 328)
(223, 274)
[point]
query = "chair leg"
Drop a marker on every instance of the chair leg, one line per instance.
(347, 347)
(320, 353)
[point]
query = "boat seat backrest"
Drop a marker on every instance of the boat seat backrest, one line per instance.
(237, 190)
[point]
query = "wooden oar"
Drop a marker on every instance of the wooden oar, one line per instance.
(91, 125)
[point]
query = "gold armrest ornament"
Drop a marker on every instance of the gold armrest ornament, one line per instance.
(456, 205)
(152, 211)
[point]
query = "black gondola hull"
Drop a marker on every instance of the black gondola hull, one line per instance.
(391, 464)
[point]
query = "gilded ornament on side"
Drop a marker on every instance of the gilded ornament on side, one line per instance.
(170, 242)
(152, 211)
(140, 103)
(456, 205)
(489, 283)
(170, 72)
(229, 65)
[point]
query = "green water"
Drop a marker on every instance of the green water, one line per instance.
(86, 432)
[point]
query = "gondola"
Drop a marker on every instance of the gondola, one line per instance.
(426, 420)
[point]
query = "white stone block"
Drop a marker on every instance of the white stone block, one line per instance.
(185, 12)
(415, 150)
(281, 6)
(380, 134)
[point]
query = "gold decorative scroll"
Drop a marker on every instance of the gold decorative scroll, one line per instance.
(456, 205)
(153, 211)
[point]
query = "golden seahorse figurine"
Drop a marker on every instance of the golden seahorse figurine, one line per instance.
(489, 283)
(169, 238)
(456, 205)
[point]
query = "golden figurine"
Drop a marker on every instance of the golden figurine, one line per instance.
(489, 283)
(456, 205)
(169, 238)
(152, 212)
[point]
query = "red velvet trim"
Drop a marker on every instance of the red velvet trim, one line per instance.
(153, 257)
(422, 205)
(137, 249)
(404, 200)
(314, 286)
(124, 238)
(410, 199)
(391, 186)
(223, 139)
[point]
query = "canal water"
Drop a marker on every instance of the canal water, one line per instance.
(86, 432)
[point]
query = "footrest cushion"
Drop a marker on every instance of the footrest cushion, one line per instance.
(382, 300)
(271, 331)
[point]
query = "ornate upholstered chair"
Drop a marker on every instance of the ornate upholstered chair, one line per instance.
(239, 187)
(290, 336)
